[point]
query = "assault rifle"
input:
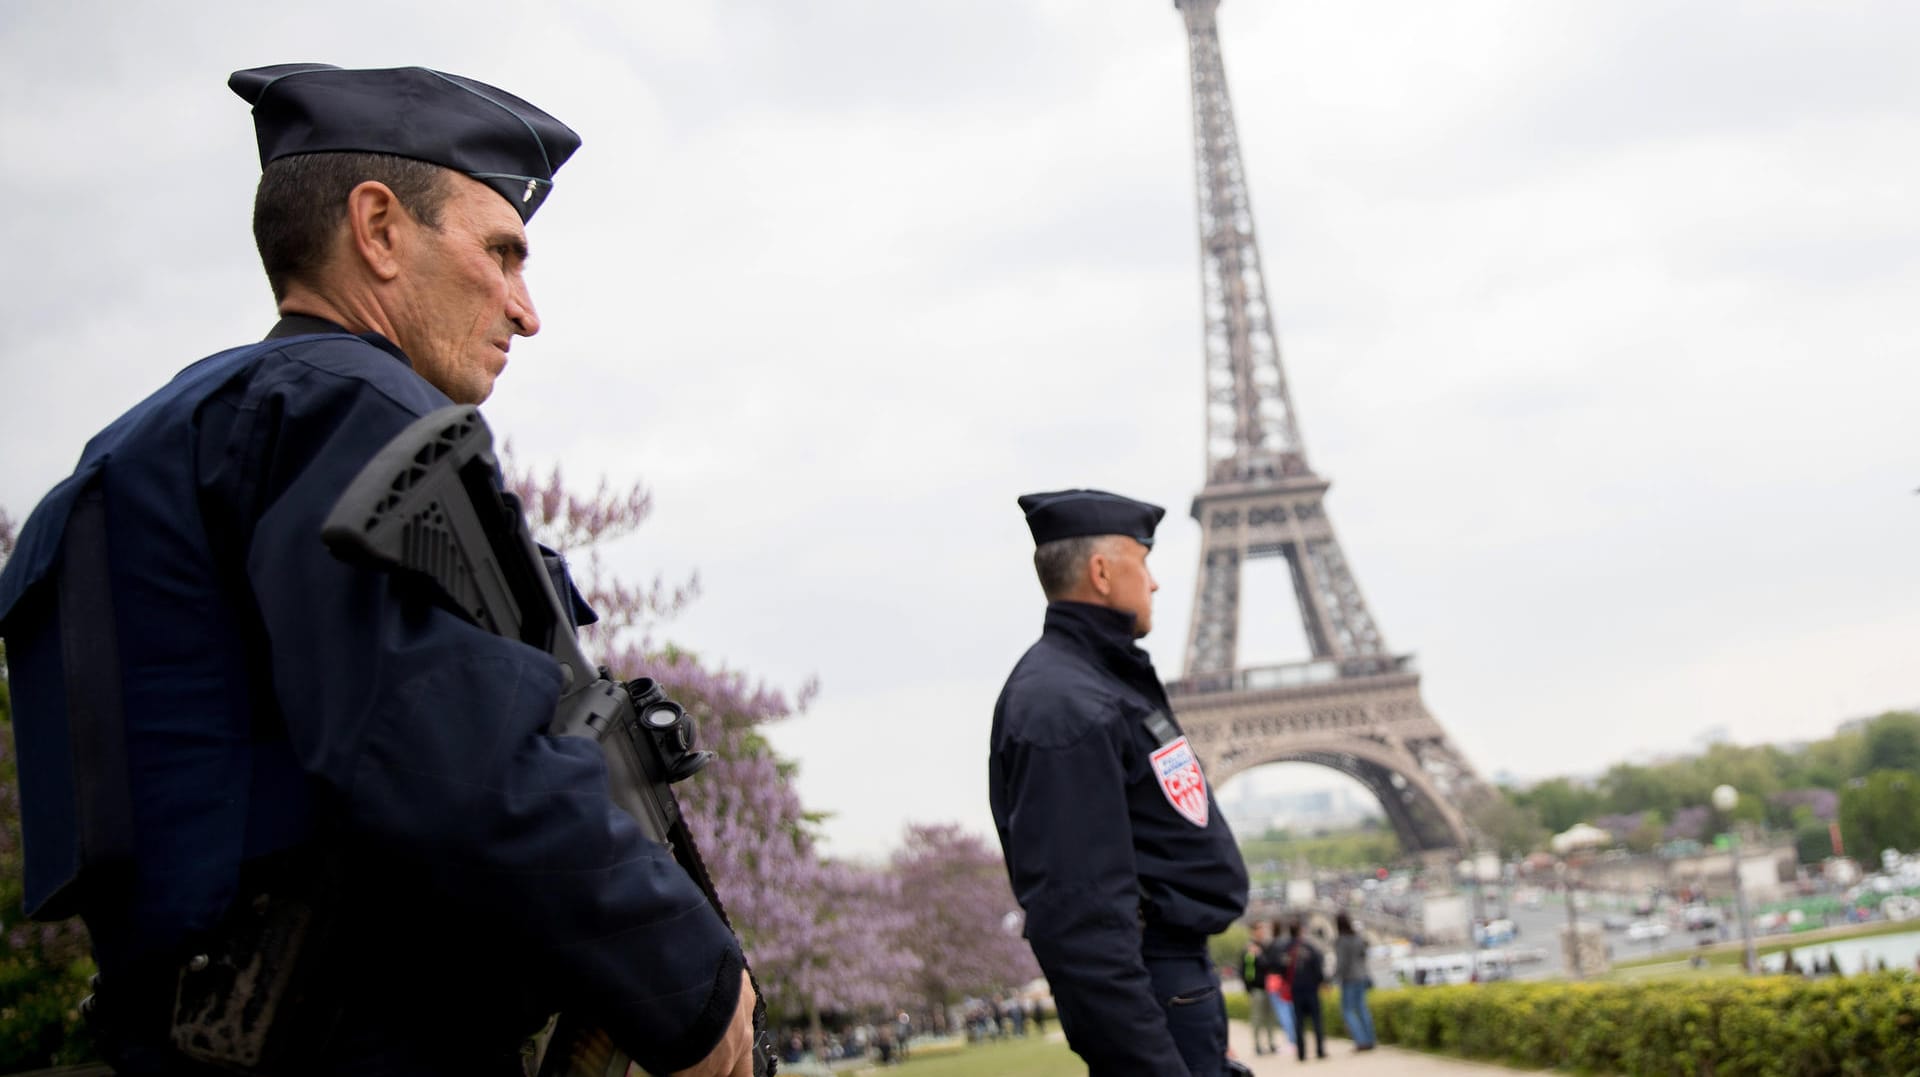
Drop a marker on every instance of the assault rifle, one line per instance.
(429, 507)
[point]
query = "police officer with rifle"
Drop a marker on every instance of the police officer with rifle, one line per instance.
(347, 810)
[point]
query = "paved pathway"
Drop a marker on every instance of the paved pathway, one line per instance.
(1343, 1061)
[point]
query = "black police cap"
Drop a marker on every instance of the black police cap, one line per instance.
(1073, 513)
(431, 116)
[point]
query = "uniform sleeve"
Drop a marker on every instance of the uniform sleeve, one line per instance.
(1070, 856)
(429, 733)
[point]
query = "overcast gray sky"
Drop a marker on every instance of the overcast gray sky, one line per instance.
(1601, 317)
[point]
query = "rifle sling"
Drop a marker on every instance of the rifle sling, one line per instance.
(90, 659)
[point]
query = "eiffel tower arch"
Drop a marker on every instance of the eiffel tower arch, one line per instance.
(1354, 705)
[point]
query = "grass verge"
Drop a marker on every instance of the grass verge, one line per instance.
(1028, 1057)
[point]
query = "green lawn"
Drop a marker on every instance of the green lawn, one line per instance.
(1029, 1057)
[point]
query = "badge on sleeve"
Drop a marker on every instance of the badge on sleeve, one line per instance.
(1180, 779)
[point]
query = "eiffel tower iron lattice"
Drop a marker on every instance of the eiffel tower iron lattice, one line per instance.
(1354, 705)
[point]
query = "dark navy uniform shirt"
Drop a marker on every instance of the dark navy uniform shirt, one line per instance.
(1111, 863)
(274, 695)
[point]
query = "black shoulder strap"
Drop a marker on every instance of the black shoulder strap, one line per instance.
(90, 656)
(1160, 728)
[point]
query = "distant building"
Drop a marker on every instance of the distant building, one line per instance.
(1252, 814)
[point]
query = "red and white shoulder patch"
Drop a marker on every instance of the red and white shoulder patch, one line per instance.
(1178, 771)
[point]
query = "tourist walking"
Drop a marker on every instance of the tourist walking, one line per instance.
(1254, 970)
(1350, 966)
(1278, 989)
(1305, 974)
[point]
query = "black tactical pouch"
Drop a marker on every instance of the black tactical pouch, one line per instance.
(255, 996)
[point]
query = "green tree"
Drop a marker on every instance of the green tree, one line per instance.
(1892, 742)
(1226, 948)
(1749, 809)
(1511, 828)
(1646, 837)
(1881, 811)
(1812, 841)
(1755, 771)
(1629, 787)
(1560, 802)
(1827, 764)
(1360, 848)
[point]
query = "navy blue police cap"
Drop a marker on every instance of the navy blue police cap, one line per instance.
(431, 116)
(1074, 513)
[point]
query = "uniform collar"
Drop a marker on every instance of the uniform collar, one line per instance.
(1088, 623)
(301, 325)
(1106, 634)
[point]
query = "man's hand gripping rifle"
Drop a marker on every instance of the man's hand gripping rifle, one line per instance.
(429, 506)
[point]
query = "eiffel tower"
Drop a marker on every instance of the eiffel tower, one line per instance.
(1354, 706)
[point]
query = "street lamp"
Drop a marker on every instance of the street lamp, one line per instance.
(1476, 932)
(1725, 798)
(1565, 871)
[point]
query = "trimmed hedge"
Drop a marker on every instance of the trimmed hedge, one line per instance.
(1774, 1026)
(1239, 1002)
(40, 1023)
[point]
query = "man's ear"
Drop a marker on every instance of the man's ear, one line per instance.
(377, 228)
(1099, 573)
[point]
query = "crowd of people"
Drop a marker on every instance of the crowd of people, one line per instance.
(1284, 973)
(996, 1019)
(887, 1042)
(1828, 964)
(884, 1042)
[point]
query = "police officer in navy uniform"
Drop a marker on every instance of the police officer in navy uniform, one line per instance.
(204, 696)
(1115, 847)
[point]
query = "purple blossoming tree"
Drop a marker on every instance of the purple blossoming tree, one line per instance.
(822, 936)
(579, 525)
(962, 919)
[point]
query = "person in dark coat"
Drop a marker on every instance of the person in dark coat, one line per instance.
(1255, 968)
(1112, 840)
(214, 716)
(1306, 972)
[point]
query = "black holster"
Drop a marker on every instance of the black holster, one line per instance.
(258, 994)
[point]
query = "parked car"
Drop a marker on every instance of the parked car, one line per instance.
(1614, 921)
(1700, 917)
(1901, 907)
(1455, 968)
(1646, 930)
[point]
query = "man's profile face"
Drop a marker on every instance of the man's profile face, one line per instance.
(1132, 585)
(465, 295)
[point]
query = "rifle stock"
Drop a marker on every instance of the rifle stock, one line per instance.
(429, 506)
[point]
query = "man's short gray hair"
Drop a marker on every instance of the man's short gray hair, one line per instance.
(1062, 562)
(302, 199)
